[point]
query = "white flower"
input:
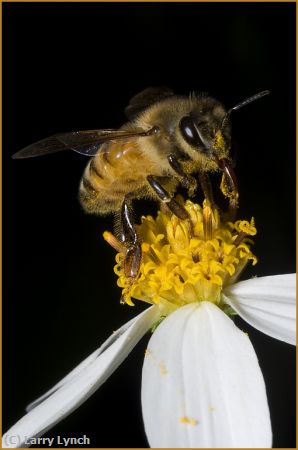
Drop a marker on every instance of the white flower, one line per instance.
(202, 385)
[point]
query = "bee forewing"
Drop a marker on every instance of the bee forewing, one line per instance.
(43, 147)
(83, 142)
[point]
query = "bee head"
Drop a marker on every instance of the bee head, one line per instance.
(203, 134)
(206, 129)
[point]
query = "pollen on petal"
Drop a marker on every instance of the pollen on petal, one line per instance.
(162, 369)
(188, 421)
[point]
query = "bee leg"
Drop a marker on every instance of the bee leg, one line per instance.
(229, 187)
(187, 180)
(206, 186)
(233, 195)
(133, 256)
(177, 209)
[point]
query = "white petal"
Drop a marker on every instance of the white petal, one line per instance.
(268, 304)
(81, 385)
(202, 385)
(86, 362)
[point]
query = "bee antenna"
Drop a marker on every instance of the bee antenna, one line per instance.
(239, 105)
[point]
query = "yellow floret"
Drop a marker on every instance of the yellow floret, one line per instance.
(179, 267)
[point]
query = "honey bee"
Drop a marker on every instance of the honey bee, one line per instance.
(167, 139)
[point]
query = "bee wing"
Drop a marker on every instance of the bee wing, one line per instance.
(146, 98)
(84, 142)
(48, 145)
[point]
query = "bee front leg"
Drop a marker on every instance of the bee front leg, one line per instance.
(229, 187)
(133, 256)
(187, 180)
(171, 203)
(206, 186)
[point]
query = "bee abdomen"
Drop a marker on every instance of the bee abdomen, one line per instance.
(87, 185)
(94, 170)
(110, 175)
(101, 190)
(92, 192)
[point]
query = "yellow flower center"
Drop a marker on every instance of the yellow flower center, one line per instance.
(180, 265)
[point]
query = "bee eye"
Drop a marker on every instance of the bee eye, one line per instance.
(190, 132)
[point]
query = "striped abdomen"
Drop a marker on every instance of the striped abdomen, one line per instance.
(116, 170)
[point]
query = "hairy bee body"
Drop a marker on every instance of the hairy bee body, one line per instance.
(121, 168)
(167, 139)
(115, 171)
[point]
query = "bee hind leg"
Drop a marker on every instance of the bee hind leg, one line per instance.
(133, 256)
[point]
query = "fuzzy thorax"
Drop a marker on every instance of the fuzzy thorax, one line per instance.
(180, 266)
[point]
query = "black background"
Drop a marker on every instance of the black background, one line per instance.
(75, 66)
